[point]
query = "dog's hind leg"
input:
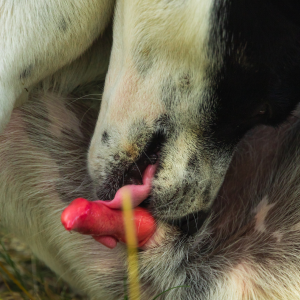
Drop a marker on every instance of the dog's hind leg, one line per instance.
(38, 38)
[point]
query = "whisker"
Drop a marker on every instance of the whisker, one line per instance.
(138, 170)
(196, 221)
(148, 157)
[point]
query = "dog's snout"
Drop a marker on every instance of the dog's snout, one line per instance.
(126, 170)
(148, 155)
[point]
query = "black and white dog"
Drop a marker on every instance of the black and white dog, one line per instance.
(186, 80)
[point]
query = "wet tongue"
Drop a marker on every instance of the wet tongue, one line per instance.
(103, 220)
(138, 192)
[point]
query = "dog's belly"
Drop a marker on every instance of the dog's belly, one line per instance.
(247, 248)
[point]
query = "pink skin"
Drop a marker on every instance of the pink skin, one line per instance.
(104, 224)
(103, 219)
(138, 192)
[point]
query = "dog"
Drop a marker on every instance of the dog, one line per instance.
(173, 94)
(246, 247)
(186, 81)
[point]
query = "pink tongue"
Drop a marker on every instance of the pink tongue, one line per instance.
(138, 192)
(103, 219)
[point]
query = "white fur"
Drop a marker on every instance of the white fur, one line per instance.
(261, 211)
(156, 50)
(38, 38)
(141, 28)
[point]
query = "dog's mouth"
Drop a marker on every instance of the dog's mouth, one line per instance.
(127, 172)
(139, 192)
(95, 219)
(138, 181)
(149, 156)
(103, 219)
(139, 176)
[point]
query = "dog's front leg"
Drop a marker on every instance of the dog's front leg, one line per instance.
(38, 38)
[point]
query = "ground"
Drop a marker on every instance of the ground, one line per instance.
(36, 278)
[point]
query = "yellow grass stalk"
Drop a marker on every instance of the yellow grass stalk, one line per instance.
(131, 240)
(15, 281)
(6, 284)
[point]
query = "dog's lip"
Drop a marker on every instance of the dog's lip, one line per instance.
(139, 193)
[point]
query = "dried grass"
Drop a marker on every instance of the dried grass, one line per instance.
(36, 278)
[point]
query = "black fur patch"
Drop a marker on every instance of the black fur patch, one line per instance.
(259, 43)
(63, 25)
(105, 138)
(191, 223)
(173, 90)
(26, 72)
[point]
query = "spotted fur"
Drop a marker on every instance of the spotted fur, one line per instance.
(199, 74)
